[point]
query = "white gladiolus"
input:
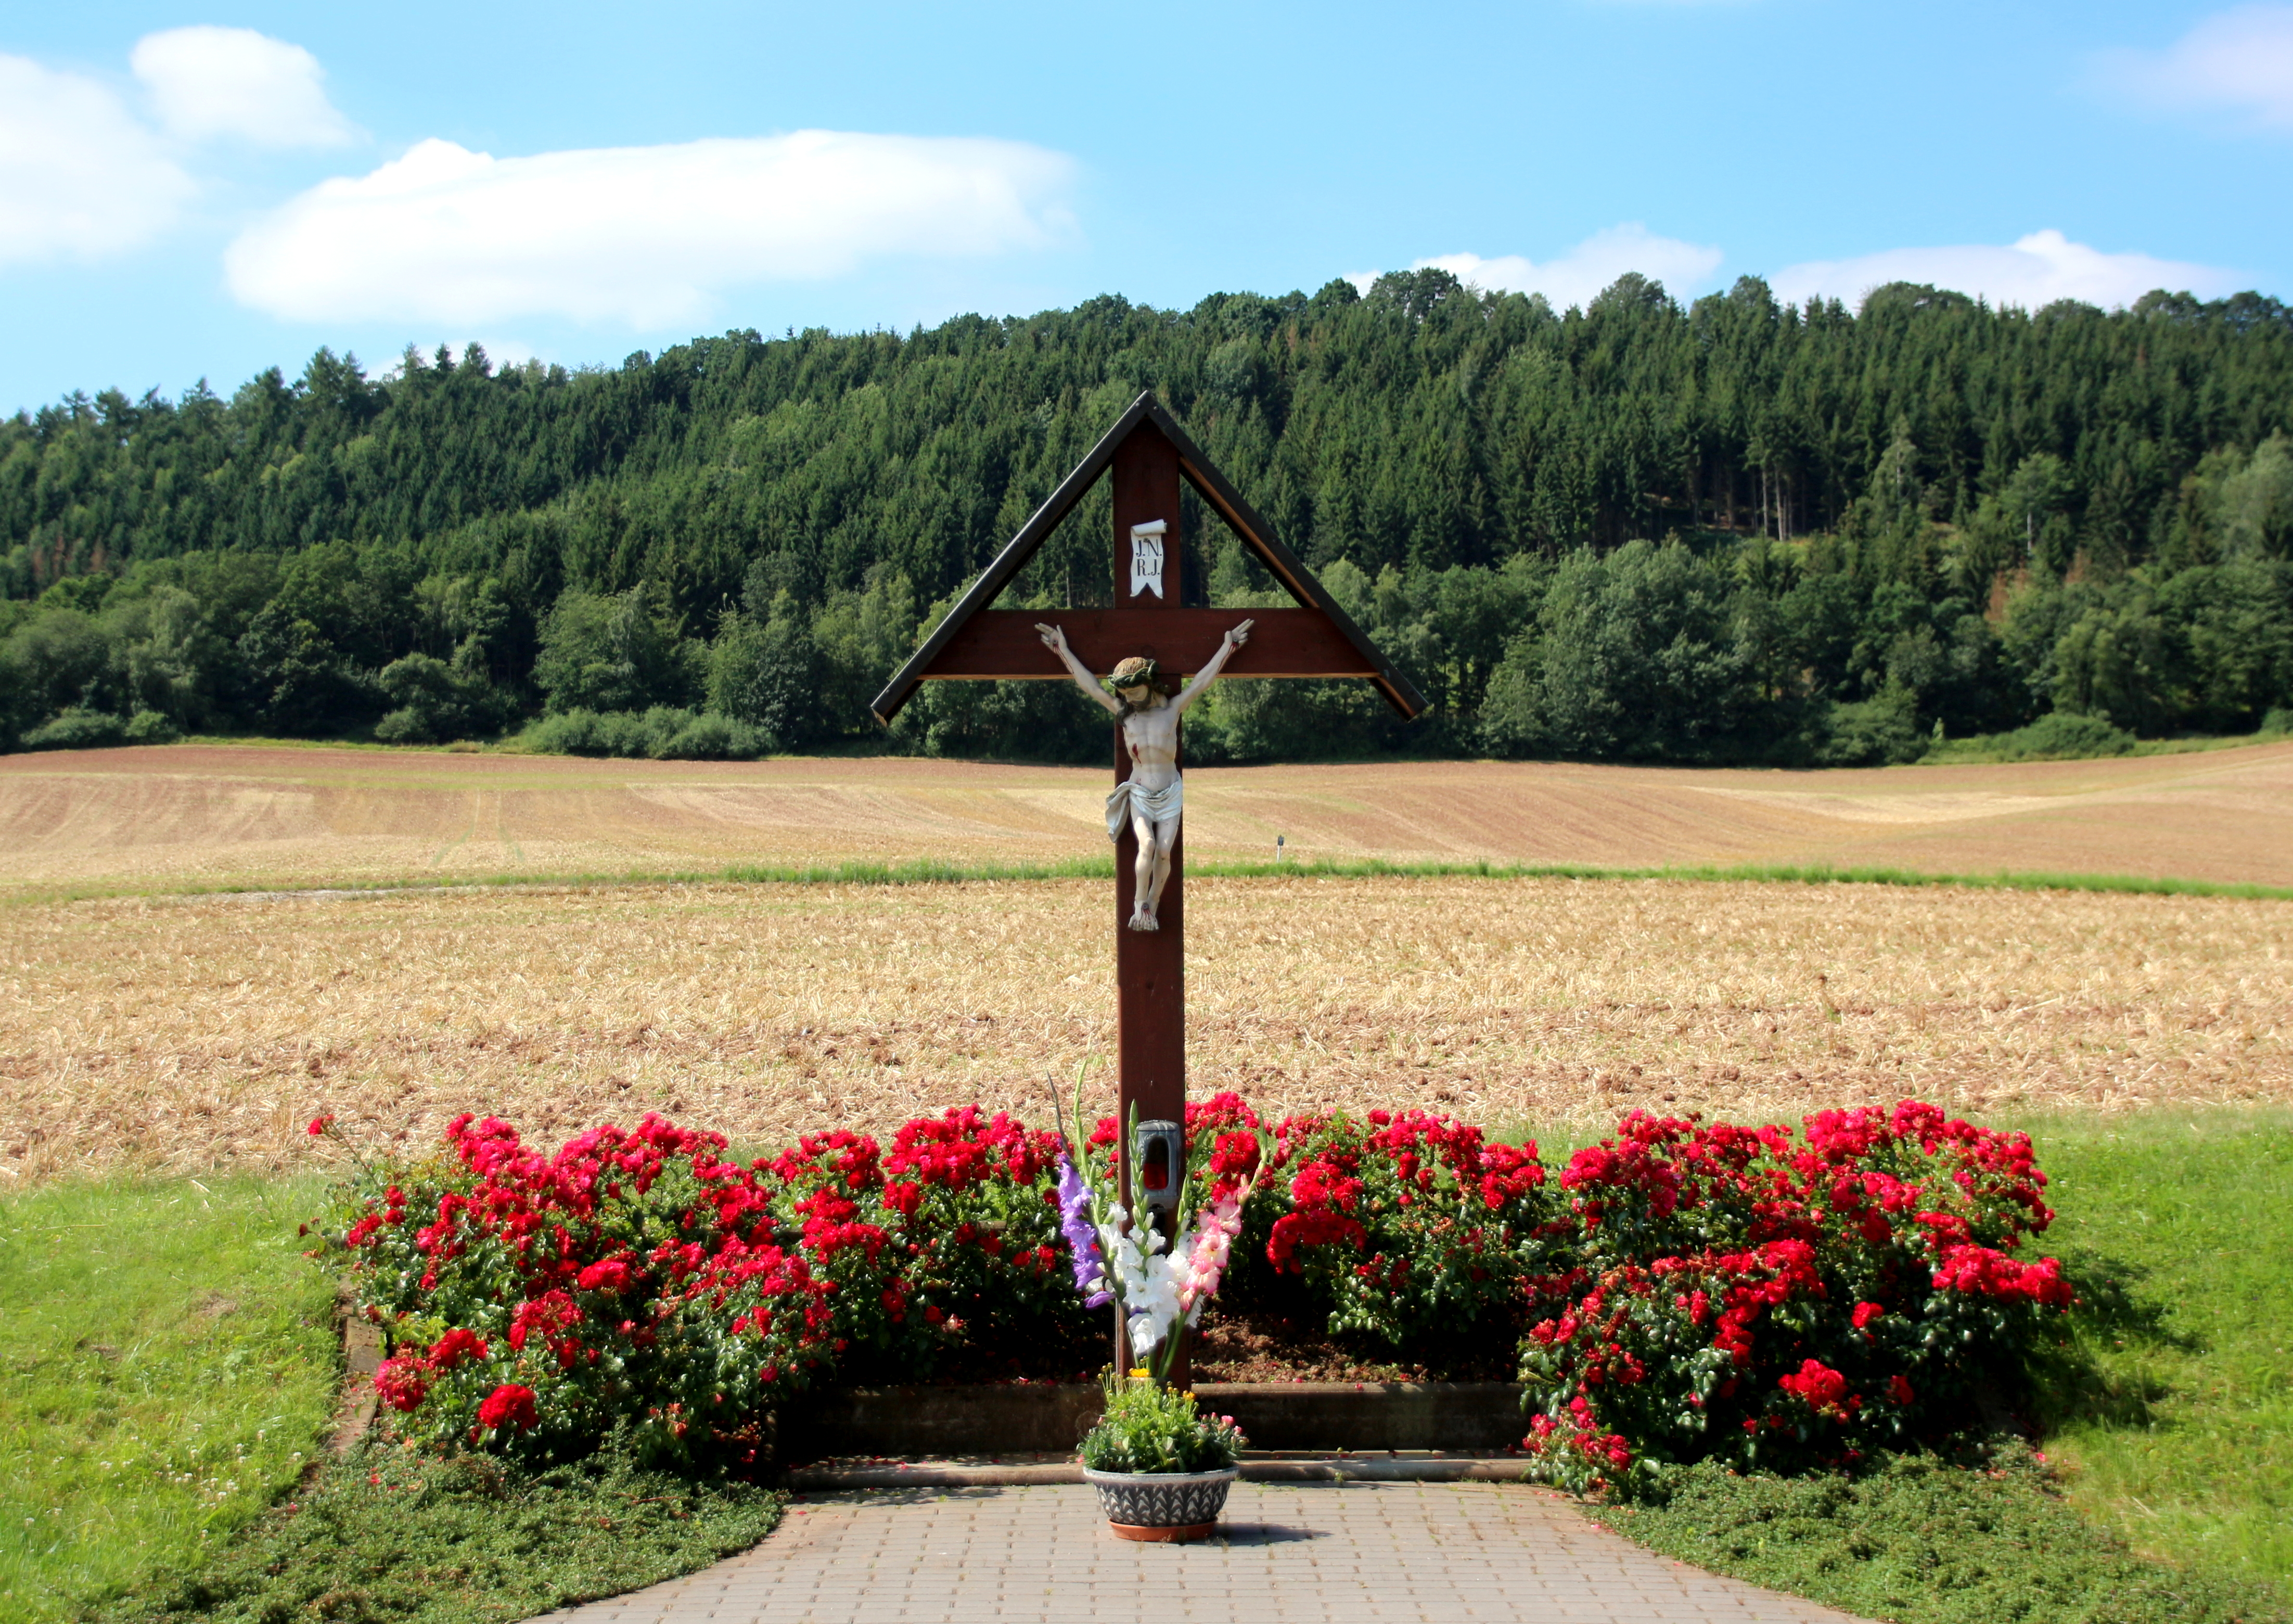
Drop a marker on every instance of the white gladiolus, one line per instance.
(1150, 1283)
(1161, 1285)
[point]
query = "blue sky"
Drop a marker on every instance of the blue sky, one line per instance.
(188, 193)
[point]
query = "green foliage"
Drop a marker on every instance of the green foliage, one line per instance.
(435, 702)
(301, 682)
(1147, 1428)
(1925, 514)
(170, 1363)
(612, 653)
(1922, 1542)
(1010, 722)
(151, 728)
(663, 733)
(54, 662)
(2232, 507)
(767, 673)
(1877, 732)
(395, 1535)
(2055, 736)
(1635, 655)
(77, 728)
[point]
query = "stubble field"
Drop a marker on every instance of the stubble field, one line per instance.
(204, 816)
(203, 1032)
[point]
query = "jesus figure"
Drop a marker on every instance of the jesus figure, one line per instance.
(1149, 800)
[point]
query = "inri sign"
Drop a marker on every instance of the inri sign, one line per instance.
(1147, 557)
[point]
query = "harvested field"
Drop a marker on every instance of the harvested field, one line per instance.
(269, 816)
(204, 1032)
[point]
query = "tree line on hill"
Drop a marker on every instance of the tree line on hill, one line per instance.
(1737, 530)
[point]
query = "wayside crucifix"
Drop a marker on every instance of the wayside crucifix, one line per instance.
(1147, 645)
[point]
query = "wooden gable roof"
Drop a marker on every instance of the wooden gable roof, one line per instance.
(1361, 657)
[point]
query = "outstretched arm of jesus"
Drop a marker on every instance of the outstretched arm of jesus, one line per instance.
(1055, 640)
(1235, 639)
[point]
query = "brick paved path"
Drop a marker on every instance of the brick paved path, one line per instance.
(1308, 1551)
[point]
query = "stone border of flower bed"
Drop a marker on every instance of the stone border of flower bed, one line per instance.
(1303, 1418)
(1423, 1466)
(863, 1437)
(362, 1354)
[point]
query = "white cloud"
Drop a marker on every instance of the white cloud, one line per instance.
(2238, 61)
(643, 235)
(2036, 271)
(1583, 272)
(206, 82)
(79, 176)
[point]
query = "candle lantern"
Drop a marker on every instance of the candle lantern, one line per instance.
(1158, 1161)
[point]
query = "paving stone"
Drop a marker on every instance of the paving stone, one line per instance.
(1356, 1552)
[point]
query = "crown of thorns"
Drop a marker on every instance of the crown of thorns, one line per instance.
(1136, 672)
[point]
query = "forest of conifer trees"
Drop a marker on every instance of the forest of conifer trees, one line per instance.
(1734, 531)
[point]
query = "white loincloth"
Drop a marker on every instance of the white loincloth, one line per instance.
(1156, 806)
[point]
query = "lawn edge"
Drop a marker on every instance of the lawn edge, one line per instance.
(936, 872)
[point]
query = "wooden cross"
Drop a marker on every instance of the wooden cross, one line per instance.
(1149, 455)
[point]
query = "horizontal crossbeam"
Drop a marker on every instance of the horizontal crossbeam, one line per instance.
(1003, 643)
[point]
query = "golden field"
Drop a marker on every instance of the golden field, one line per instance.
(145, 1024)
(203, 1032)
(282, 816)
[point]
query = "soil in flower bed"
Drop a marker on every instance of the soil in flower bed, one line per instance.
(1252, 1342)
(1264, 1344)
(1046, 1352)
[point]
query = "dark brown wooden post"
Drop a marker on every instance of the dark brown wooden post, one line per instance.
(1150, 988)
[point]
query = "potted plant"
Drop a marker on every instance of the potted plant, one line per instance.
(1160, 1468)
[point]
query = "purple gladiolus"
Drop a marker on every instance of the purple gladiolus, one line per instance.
(1082, 1239)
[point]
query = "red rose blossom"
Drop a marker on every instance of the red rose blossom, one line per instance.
(509, 1405)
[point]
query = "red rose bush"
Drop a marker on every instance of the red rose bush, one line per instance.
(1784, 1301)
(1414, 1229)
(535, 1301)
(1682, 1290)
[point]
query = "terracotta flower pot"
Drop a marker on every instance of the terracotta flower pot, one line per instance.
(1162, 1506)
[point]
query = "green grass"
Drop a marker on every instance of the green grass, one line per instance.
(170, 1370)
(933, 872)
(1919, 1542)
(2181, 1230)
(170, 1363)
(391, 1535)
(2005, 749)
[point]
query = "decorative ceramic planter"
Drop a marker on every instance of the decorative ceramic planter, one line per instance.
(1162, 1505)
